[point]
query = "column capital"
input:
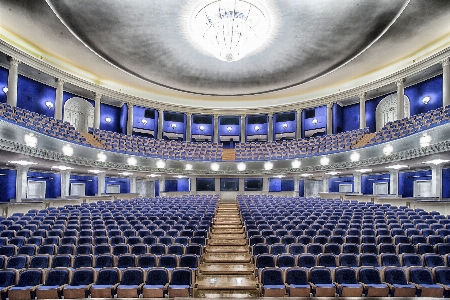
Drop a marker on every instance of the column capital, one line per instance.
(13, 61)
(330, 105)
(299, 110)
(97, 96)
(446, 62)
(400, 82)
(188, 114)
(362, 96)
(59, 82)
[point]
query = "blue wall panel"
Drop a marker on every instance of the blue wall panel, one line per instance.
(432, 88)
(274, 184)
(123, 119)
(123, 182)
(115, 114)
(406, 181)
(335, 181)
(301, 188)
(8, 184)
(139, 115)
(367, 182)
(371, 106)
(183, 185)
(91, 183)
(53, 183)
(287, 185)
(3, 83)
(32, 95)
(350, 117)
(446, 183)
(337, 118)
(170, 185)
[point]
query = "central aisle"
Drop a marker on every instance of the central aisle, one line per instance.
(227, 269)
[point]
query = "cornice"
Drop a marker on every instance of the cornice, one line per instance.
(441, 57)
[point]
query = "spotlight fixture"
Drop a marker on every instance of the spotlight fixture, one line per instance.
(173, 125)
(153, 175)
(160, 164)
(268, 166)
(241, 166)
(314, 121)
(188, 167)
(324, 161)
(332, 173)
(425, 140)
(215, 167)
(108, 120)
(280, 176)
(201, 128)
(62, 168)
(229, 128)
(22, 162)
(256, 128)
(364, 170)
(125, 173)
(101, 157)
(306, 175)
(387, 150)
(132, 161)
(436, 161)
(30, 140)
(5, 89)
(67, 150)
(397, 167)
(426, 99)
(95, 171)
(144, 121)
(355, 156)
(285, 125)
(49, 105)
(296, 164)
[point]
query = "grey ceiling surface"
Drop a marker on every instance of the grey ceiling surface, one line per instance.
(144, 39)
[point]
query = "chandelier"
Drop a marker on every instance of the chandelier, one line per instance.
(230, 29)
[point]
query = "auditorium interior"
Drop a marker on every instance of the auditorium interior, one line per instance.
(224, 148)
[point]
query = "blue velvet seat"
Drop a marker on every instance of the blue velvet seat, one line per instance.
(131, 283)
(156, 283)
(371, 282)
(397, 282)
(107, 281)
(346, 282)
(54, 283)
(26, 286)
(321, 283)
(81, 281)
(423, 280)
(180, 283)
(272, 282)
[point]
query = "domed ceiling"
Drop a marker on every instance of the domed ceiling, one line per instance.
(150, 40)
(146, 48)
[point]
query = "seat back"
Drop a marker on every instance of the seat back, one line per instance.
(296, 275)
(40, 261)
(132, 276)
(82, 261)
(8, 277)
(420, 275)
(30, 277)
(272, 276)
(320, 275)
(369, 275)
(157, 276)
(345, 275)
(181, 276)
(442, 275)
(108, 276)
(189, 261)
(63, 260)
(83, 277)
(17, 262)
(394, 275)
(57, 277)
(146, 261)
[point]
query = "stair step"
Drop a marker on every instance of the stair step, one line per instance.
(207, 293)
(227, 230)
(227, 269)
(227, 242)
(214, 282)
(227, 226)
(227, 258)
(230, 236)
(228, 222)
(226, 249)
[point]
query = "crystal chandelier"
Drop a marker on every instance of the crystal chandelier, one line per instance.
(230, 29)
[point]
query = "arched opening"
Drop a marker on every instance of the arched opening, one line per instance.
(387, 110)
(80, 113)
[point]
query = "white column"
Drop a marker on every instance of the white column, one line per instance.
(298, 134)
(241, 185)
(357, 182)
(160, 124)
(217, 185)
(436, 181)
(133, 187)
(326, 184)
(393, 182)
(65, 184)
(162, 183)
(188, 126)
(400, 99)
(265, 187)
(296, 186)
(11, 96)
(330, 118)
(216, 129)
(59, 99)
(97, 98)
(446, 82)
(130, 119)
(21, 182)
(270, 127)
(101, 184)
(193, 184)
(243, 129)
(362, 111)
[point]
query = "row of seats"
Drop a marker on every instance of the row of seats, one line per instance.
(40, 123)
(407, 126)
(158, 148)
(299, 148)
(331, 260)
(87, 282)
(123, 261)
(118, 249)
(348, 282)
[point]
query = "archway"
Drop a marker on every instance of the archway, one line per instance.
(386, 110)
(80, 113)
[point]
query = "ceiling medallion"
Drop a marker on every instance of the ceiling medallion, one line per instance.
(231, 29)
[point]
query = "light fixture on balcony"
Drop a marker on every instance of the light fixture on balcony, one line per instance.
(5, 89)
(355, 156)
(425, 140)
(22, 162)
(188, 167)
(296, 164)
(49, 105)
(426, 99)
(144, 121)
(125, 173)
(108, 120)
(215, 167)
(30, 140)
(173, 125)
(256, 128)
(268, 166)
(388, 149)
(397, 167)
(201, 128)
(62, 168)
(314, 121)
(332, 173)
(364, 170)
(436, 161)
(241, 166)
(67, 150)
(285, 125)
(101, 157)
(132, 161)
(229, 128)
(160, 164)
(324, 161)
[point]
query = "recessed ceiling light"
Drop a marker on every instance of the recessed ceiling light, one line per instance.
(364, 170)
(125, 173)
(22, 162)
(425, 140)
(332, 173)
(30, 140)
(180, 176)
(397, 167)
(296, 164)
(62, 168)
(153, 175)
(101, 157)
(280, 176)
(268, 166)
(436, 161)
(95, 171)
(306, 175)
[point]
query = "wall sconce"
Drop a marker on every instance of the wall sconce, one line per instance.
(108, 120)
(314, 121)
(426, 99)
(285, 125)
(5, 90)
(49, 105)
(144, 121)
(174, 125)
(201, 128)
(256, 128)
(229, 128)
